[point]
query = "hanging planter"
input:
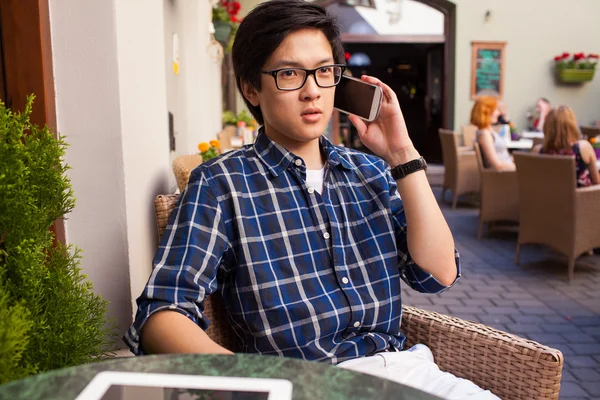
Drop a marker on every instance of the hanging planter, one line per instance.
(222, 32)
(572, 75)
(579, 69)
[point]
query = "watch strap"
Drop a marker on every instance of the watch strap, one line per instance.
(408, 168)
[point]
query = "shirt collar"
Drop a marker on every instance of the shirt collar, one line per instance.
(276, 158)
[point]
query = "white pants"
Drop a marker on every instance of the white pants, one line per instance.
(415, 367)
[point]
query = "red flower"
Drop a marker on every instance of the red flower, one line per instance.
(558, 58)
(594, 56)
(347, 56)
(566, 55)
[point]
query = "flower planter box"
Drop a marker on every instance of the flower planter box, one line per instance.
(568, 75)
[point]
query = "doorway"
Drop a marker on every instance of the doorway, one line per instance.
(415, 73)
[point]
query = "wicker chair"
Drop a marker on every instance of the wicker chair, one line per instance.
(183, 167)
(469, 133)
(554, 211)
(225, 138)
(460, 168)
(499, 194)
(509, 366)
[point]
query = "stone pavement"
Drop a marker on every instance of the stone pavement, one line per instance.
(533, 300)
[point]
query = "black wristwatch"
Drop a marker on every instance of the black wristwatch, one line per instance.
(408, 168)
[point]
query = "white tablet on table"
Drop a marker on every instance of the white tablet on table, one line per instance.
(114, 385)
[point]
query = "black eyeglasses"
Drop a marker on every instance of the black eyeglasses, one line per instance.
(294, 78)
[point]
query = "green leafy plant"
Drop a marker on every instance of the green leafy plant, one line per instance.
(578, 61)
(49, 315)
(229, 118)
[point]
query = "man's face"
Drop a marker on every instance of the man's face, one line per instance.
(541, 107)
(298, 116)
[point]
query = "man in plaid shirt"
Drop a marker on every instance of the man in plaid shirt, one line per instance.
(306, 242)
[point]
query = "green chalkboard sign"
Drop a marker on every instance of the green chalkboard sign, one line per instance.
(488, 69)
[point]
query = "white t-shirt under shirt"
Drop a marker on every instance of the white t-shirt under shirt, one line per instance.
(314, 179)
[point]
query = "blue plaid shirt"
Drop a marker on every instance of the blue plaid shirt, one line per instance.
(302, 275)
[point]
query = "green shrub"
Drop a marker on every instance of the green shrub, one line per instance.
(49, 316)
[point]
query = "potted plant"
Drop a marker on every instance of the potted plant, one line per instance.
(49, 315)
(576, 69)
(225, 22)
(209, 150)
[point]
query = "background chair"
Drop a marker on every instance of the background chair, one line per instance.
(499, 194)
(509, 366)
(183, 167)
(590, 131)
(469, 133)
(460, 167)
(537, 141)
(554, 211)
(225, 138)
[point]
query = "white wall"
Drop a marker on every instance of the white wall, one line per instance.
(144, 127)
(195, 95)
(110, 82)
(84, 47)
(535, 32)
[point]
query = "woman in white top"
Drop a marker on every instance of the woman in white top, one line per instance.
(493, 149)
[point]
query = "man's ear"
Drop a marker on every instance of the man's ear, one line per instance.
(250, 93)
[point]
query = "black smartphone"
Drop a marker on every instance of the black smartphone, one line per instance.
(353, 96)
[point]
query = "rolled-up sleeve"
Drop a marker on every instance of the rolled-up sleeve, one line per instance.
(415, 276)
(185, 266)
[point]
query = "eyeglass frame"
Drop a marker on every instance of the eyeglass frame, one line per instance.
(274, 72)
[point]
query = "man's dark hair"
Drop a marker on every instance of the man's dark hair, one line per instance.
(264, 28)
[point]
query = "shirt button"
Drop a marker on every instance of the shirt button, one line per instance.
(326, 235)
(345, 280)
(356, 324)
(298, 162)
(311, 190)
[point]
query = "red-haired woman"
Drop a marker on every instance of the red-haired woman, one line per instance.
(493, 148)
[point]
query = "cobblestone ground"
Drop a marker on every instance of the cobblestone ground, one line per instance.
(533, 300)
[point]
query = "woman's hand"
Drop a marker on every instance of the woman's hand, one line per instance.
(386, 136)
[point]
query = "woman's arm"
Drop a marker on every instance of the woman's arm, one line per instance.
(589, 157)
(486, 141)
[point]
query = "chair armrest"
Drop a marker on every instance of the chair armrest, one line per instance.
(506, 364)
(504, 178)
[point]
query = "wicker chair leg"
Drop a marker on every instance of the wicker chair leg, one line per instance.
(571, 267)
(517, 253)
(479, 231)
(443, 193)
(454, 201)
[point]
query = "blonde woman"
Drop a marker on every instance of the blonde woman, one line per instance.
(484, 114)
(562, 137)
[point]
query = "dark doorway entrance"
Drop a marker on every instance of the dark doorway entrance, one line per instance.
(415, 72)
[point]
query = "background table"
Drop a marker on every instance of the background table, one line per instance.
(311, 380)
(522, 144)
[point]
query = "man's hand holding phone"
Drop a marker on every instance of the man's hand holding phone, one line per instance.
(387, 135)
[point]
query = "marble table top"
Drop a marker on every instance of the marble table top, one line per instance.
(311, 380)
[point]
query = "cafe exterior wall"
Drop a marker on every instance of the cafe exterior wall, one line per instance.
(110, 72)
(535, 31)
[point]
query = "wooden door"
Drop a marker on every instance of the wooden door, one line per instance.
(26, 64)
